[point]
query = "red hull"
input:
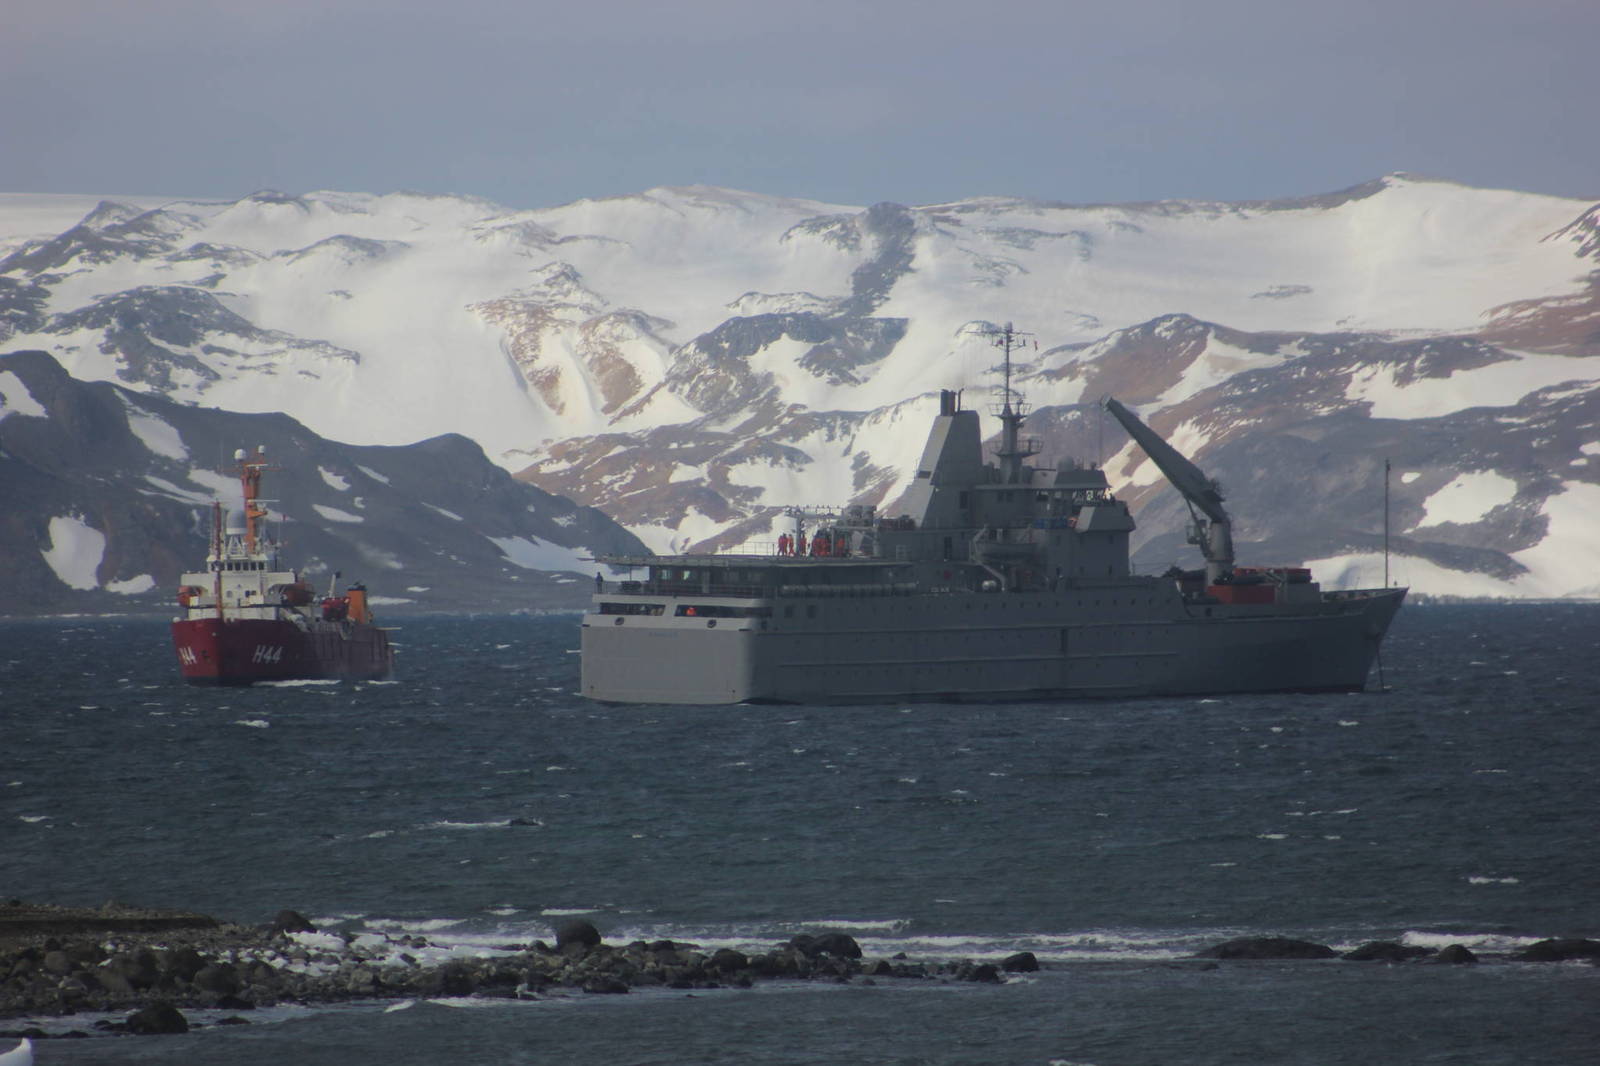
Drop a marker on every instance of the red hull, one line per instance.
(237, 652)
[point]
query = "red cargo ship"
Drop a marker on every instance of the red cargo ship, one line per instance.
(245, 619)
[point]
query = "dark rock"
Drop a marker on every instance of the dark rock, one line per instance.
(984, 973)
(840, 945)
(1455, 955)
(158, 1018)
(1386, 951)
(233, 1003)
(773, 965)
(502, 976)
(605, 986)
(57, 962)
(218, 979)
(262, 973)
(288, 921)
(233, 1019)
(1561, 949)
(116, 985)
(183, 962)
(73, 990)
(86, 953)
(141, 967)
(361, 981)
(1268, 947)
(1021, 962)
(451, 979)
(727, 960)
(576, 936)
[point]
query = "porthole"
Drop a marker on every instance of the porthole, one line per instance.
(711, 623)
(618, 622)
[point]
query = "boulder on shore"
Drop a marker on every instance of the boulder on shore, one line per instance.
(576, 936)
(1561, 949)
(839, 945)
(159, 1018)
(1268, 947)
(288, 921)
(1386, 951)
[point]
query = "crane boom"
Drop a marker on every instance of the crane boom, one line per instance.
(1215, 539)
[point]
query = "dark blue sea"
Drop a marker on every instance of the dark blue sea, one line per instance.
(478, 800)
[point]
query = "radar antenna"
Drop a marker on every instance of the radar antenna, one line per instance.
(1012, 409)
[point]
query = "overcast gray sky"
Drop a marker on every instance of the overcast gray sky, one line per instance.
(538, 103)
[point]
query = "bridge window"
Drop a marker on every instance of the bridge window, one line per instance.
(632, 608)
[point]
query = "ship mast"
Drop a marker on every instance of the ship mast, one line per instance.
(1013, 409)
(250, 468)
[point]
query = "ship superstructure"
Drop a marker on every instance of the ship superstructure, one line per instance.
(992, 581)
(247, 618)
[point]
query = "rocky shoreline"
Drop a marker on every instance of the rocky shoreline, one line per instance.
(57, 962)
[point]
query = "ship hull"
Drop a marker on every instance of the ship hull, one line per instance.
(1119, 640)
(242, 651)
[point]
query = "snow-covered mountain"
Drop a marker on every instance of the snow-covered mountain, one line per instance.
(692, 360)
(108, 499)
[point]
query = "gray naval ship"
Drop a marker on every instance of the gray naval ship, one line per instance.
(995, 581)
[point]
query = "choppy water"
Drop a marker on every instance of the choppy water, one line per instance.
(478, 800)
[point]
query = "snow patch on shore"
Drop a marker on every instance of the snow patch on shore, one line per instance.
(132, 586)
(76, 551)
(531, 553)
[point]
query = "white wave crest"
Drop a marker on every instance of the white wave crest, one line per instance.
(446, 824)
(1493, 942)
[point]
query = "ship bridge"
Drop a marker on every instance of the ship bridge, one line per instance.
(755, 577)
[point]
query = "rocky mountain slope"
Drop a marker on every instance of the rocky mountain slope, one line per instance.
(108, 499)
(692, 360)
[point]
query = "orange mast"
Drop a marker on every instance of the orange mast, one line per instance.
(250, 468)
